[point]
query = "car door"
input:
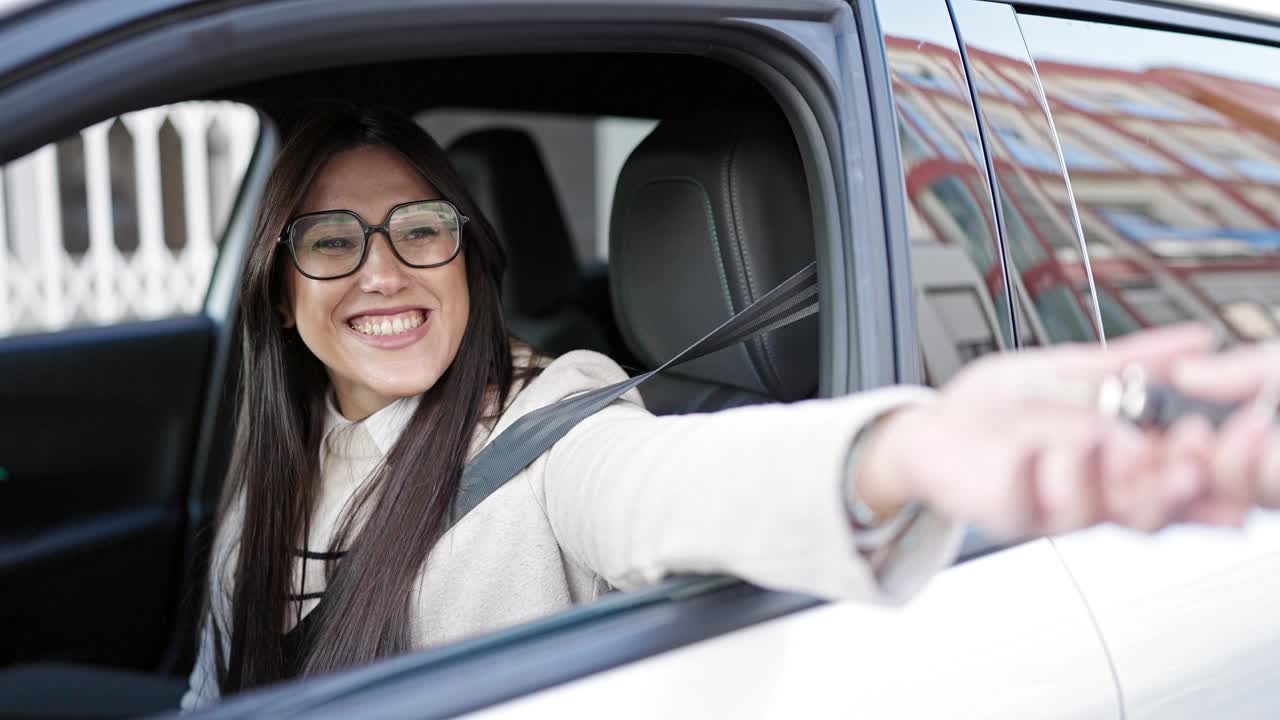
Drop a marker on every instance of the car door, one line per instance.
(1170, 139)
(1003, 635)
(109, 366)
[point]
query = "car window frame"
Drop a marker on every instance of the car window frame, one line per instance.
(764, 39)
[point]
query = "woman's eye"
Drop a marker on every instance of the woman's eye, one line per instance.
(331, 245)
(422, 233)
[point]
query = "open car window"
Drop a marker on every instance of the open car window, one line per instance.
(121, 221)
(184, 236)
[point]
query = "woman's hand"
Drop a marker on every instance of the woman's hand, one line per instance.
(1244, 461)
(1016, 446)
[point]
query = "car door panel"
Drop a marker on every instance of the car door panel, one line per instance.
(1175, 172)
(1187, 615)
(1004, 636)
(1044, 253)
(95, 441)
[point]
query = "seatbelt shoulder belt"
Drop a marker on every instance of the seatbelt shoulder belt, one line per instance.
(534, 433)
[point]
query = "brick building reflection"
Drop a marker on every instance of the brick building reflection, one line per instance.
(1176, 174)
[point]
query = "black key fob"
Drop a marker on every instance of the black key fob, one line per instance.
(1156, 406)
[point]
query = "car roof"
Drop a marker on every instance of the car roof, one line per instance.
(1257, 8)
(1265, 9)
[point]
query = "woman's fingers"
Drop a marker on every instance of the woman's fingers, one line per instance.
(1119, 474)
(1068, 486)
(1046, 464)
(1240, 374)
(1238, 459)
(1157, 350)
(1130, 459)
(1216, 511)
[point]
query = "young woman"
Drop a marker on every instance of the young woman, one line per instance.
(376, 362)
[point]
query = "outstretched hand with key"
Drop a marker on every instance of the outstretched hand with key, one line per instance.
(1017, 444)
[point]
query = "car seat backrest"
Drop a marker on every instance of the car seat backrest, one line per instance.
(543, 289)
(711, 212)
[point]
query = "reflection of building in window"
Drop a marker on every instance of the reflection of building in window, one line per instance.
(1155, 305)
(1028, 153)
(1118, 92)
(1114, 146)
(1024, 249)
(1138, 158)
(1244, 298)
(929, 129)
(975, 146)
(1079, 156)
(1061, 316)
(1041, 216)
(1257, 169)
(975, 233)
(1251, 320)
(990, 83)
(914, 149)
(962, 317)
(1175, 172)
(1116, 319)
(1135, 222)
(1183, 240)
(1222, 152)
(924, 76)
(1125, 104)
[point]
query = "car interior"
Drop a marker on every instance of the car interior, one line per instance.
(104, 547)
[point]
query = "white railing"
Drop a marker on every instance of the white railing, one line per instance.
(46, 286)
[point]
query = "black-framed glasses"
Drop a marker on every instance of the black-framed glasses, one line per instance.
(330, 244)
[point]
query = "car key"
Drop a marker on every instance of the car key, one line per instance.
(1156, 405)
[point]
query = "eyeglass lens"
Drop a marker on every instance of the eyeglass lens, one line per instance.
(331, 244)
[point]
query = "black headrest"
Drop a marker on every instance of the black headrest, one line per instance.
(505, 174)
(712, 212)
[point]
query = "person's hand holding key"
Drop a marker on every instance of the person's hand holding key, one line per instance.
(1242, 457)
(1039, 454)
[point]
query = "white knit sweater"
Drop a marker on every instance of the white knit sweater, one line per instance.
(623, 500)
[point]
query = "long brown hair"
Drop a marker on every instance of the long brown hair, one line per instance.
(275, 459)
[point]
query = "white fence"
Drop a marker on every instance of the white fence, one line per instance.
(122, 221)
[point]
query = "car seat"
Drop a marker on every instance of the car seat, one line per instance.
(711, 212)
(544, 291)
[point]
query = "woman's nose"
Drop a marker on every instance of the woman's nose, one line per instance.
(382, 271)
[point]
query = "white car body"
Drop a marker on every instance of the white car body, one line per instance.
(1178, 625)
(1103, 623)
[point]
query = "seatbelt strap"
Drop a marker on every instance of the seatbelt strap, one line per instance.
(533, 434)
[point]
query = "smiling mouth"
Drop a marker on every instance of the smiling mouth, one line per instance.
(382, 325)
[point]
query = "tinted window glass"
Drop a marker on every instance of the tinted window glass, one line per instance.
(1175, 167)
(1048, 273)
(961, 301)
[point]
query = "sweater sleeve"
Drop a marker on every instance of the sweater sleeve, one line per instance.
(753, 492)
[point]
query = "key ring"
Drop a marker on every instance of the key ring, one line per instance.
(1124, 394)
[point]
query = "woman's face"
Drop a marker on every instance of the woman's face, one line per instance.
(342, 320)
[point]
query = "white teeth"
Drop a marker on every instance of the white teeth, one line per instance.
(389, 325)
